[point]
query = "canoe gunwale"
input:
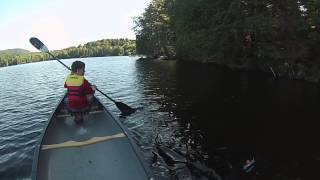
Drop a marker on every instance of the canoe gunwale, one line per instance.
(34, 170)
(134, 146)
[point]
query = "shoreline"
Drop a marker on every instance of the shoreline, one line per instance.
(296, 72)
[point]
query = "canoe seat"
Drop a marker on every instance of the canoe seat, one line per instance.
(65, 111)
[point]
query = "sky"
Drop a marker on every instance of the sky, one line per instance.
(63, 23)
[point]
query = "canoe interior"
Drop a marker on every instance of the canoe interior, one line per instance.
(115, 159)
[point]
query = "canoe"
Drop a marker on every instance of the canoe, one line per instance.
(100, 148)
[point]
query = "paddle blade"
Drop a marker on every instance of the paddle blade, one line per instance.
(38, 44)
(125, 109)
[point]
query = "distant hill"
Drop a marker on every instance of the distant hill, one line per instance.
(99, 48)
(14, 51)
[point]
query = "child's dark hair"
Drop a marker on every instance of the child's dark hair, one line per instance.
(77, 65)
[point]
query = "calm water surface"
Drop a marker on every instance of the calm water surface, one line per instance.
(214, 117)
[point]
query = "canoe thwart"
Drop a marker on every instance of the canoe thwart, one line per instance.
(93, 140)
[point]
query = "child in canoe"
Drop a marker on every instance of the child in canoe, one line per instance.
(79, 91)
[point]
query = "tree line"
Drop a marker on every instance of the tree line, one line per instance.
(282, 37)
(104, 47)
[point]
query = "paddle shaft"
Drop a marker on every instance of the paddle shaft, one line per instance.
(59, 60)
(70, 70)
(106, 95)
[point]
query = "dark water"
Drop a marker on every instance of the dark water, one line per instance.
(214, 117)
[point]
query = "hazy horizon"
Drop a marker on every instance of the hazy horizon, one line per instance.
(35, 50)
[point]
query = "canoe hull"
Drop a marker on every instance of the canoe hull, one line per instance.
(116, 159)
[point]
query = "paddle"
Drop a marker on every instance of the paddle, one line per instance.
(125, 109)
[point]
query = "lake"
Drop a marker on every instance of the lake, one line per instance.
(215, 117)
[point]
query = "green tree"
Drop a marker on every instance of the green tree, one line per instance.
(153, 30)
(282, 35)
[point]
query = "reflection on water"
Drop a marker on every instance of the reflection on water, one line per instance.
(224, 117)
(210, 119)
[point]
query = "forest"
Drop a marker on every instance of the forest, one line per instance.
(104, 47)
(279, 37)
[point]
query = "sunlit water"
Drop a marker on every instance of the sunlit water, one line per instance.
(216, 117)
